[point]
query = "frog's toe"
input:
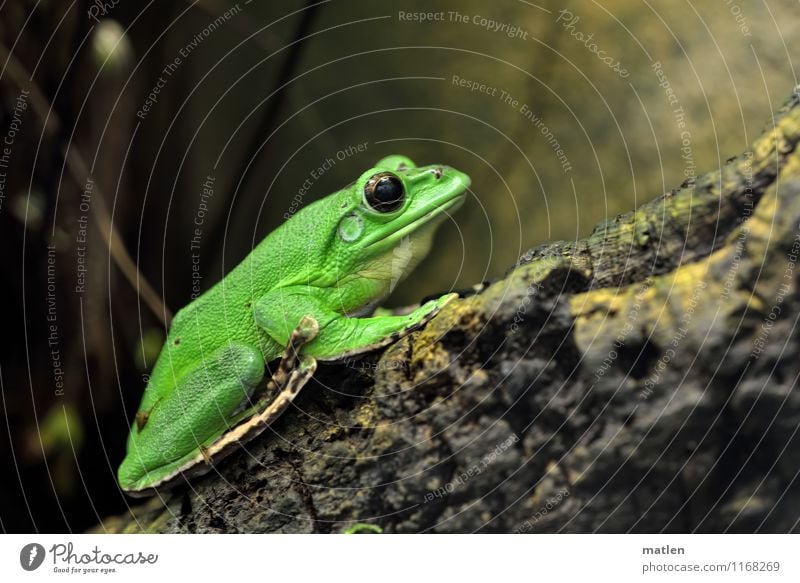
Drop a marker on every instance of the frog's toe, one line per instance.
(307, 329)
(307, 365)
(430, 308)
(446, 299)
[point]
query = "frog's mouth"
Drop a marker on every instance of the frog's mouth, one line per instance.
(416, 220)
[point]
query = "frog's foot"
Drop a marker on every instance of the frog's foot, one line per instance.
(305, 332)
(296, 380)
(409, 323)
(464, 292)
(433, 306)
(422, 315)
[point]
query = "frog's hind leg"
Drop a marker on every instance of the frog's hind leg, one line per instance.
(293, 372)
(170, 437)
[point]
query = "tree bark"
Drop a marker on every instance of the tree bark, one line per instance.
(641, 379)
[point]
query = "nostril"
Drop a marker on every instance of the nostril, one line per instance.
(437, 172)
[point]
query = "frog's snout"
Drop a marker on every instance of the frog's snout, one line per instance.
(456, 177)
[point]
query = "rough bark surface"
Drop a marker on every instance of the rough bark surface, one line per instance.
(641, 379)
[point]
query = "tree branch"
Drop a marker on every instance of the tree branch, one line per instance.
(641, 379)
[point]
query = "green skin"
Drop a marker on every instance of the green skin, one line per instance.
(298, 295)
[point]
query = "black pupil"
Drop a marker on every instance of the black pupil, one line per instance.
(387, 195)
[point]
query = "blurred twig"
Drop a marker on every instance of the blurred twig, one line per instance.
(241, 177)
(267, 121)
(80, 174)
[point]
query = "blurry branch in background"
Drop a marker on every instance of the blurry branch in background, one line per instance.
(268, 120)
(80, 174)
(119, 253)
(266, 40)
(241, 178)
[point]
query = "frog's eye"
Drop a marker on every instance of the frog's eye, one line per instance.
(384, 192)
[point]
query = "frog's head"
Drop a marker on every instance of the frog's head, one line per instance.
(396, 199)
(387, 217)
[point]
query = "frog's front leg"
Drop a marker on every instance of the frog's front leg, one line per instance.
(340, 336)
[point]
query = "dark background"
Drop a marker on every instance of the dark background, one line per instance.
(266, 97)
